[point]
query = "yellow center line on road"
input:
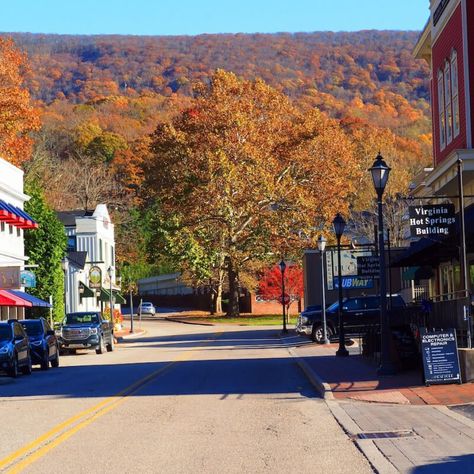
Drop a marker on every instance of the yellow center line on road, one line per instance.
(48, 441)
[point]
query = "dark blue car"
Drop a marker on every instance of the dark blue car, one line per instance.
(14, 349)
(43, 342)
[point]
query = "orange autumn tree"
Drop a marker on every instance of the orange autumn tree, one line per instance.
(245, 175)
(17, 116)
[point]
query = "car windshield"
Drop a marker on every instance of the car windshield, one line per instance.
(32, 328)
(5, 332)
(80, 318)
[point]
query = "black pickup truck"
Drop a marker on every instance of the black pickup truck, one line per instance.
(358, 313)
(87, 330)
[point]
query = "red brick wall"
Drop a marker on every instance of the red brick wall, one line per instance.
(272, 307)
(449, 39)
(470, 42)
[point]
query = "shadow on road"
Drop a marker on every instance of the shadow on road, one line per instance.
(218, 376)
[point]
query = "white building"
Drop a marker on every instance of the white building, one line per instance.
(13, 222)
(91, 244)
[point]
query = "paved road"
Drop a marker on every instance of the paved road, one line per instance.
(180, 399)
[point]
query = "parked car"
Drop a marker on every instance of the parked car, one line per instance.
(359, 313)
(44, 346)
(147, 308)
(14, 349)
(86, 330)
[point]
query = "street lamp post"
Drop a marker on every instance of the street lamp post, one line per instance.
(339, 225)
(282, 266)
(380, 172)
(322, 246)
(110, 271)
(65, 268)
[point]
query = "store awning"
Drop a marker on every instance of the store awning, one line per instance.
(16, 216)
(417, 273)
(5, 301)
(119, 299)
(105, 296)
(85, 291)
(36, 302)
(16, 300)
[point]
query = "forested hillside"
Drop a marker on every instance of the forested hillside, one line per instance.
(355, 69)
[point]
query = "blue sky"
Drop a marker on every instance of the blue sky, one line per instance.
(190, 17)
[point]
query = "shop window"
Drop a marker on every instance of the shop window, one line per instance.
(3, 227)
(71, 243)
(447, 105)
(18, 232)
(10, 229)
(455, 93)
(442, 122)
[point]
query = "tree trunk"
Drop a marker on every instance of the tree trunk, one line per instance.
(218, 306)
(233, 307)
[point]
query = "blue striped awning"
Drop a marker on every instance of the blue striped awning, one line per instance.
(32, 299)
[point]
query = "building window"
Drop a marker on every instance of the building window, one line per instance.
(112, 256)
(18, 232)
(455, 93)
(442, 122)
(100, 250)
(447, 99)
(3, 227)
(71, 243)
(10, 229)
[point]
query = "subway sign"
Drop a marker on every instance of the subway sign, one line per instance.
(432, 220)
(354, 283)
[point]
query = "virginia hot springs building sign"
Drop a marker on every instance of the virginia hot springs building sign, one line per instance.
(426, 221)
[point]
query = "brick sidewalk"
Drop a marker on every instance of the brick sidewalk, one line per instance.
(356, 378)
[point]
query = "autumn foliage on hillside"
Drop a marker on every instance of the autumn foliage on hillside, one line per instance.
(17, 115)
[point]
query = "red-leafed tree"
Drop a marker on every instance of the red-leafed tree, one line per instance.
(270, 284)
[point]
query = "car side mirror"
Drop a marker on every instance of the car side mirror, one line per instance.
(50, 333)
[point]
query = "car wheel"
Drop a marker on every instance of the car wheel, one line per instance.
(100, 349)
(317, 334)
(27, 369)
(45, 362)
(55, 361)
(111, 344)
(13, 370)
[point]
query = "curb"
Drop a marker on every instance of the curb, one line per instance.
(367, 447)
(193, 323)
(318, 383)
(131, 336)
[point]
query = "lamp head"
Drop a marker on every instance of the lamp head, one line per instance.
(339, 224)
(380, 172)
(321, 243)
(282, 266)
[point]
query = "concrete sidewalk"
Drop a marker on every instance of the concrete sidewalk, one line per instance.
(355, 377)
(408, 429)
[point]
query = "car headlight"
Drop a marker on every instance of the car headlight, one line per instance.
(93, 330)
(3, 350)
(304, 319)
(37, 343)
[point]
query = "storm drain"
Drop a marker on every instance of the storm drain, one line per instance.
(385, 434)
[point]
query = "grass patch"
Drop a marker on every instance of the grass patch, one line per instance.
(266, 320)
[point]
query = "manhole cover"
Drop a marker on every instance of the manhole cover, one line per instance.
(466, 410)
(386, 434)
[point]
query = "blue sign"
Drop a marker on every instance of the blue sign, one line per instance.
(439, 351)
(354, 283)
(28, 279)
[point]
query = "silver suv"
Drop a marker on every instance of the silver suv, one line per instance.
(147, 308)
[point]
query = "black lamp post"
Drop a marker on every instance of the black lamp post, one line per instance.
(282, 266)
(380, 173)
(339, 225)
(322, 246)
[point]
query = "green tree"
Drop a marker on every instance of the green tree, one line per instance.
(46, 247)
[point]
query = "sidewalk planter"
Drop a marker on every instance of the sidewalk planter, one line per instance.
(466, 363)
